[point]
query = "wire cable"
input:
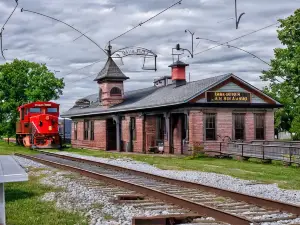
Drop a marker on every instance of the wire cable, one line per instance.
(225, 43)
(83, 67)
(24, 10)
(140, 24)
(2, 29)
(232, 46)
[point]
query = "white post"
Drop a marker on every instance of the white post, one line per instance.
(2, 204)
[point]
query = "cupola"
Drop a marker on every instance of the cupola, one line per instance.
(178, 72)
(110, 80)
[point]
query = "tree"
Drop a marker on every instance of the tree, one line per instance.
(22, 82)
(284, 75)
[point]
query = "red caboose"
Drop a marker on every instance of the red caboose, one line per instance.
(38, 126)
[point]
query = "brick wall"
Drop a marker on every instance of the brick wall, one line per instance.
(125, 131)
(224, 123)
(224, 126)
(249, 126)
(107, 99)
(138, 143)
(269, 119)
(195, 127)
(99, 141)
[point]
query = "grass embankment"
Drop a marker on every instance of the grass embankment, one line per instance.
(285, 177)
(23, 204)
(11, 148)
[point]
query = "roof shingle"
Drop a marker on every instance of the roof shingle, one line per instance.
(111, 72)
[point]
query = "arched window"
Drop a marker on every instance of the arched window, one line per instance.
(115, 91)
(100, 95)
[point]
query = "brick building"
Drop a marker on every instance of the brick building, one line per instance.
(173, 113)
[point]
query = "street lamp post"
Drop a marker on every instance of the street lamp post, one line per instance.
(192, 34)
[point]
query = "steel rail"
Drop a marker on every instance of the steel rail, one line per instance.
(196, 207)
(263, 202)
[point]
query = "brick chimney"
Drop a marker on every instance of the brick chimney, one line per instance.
(178, 73)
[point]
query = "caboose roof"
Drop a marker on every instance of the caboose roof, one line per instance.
(38, 104)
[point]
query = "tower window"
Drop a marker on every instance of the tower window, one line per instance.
(115, 91)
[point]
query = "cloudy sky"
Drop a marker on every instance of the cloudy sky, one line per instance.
(39, 39)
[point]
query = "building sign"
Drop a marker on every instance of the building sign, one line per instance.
(133, 51)
(228, 96)
(42, 104)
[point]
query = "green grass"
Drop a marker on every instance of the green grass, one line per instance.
(24, 207)
(108, 217)
(285, 177)
(11, 148)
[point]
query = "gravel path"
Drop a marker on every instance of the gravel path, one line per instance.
(271, 191)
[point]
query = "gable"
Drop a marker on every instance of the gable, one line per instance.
(233, 90)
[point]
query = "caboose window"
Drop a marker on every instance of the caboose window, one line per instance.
(35, 110)
(51, 110)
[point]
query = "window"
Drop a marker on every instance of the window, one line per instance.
(133, 128)
(52, 110)
(35, 110)
(115, 91)
(92, 136)
(210, 126)
(86, 130)
(239, 126)
(259, 126)
(75, 130)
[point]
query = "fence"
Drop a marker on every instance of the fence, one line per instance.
(266, 150)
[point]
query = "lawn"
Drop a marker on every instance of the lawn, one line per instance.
(11, 148)
(285, 177)
(23, 204)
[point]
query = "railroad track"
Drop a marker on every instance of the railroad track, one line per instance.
(223, 205)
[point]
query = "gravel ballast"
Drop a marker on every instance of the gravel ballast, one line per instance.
(271, 191)
(77, 195)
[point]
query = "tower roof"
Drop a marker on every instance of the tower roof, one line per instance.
(178, 63)
(110, 72)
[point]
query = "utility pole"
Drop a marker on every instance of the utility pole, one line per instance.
(192, 34)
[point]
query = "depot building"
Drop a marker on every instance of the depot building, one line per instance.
(173, 114)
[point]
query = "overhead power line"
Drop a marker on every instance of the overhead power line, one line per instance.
(83, 67)
(232, 46)
(2, 29)
(24, 10)
(140, 24)
(225, 43)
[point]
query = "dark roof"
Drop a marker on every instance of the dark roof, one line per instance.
(178, 63)
(110, 71)
(153, 97)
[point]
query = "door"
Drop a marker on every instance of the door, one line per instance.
(132, 133)
(111, 135)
